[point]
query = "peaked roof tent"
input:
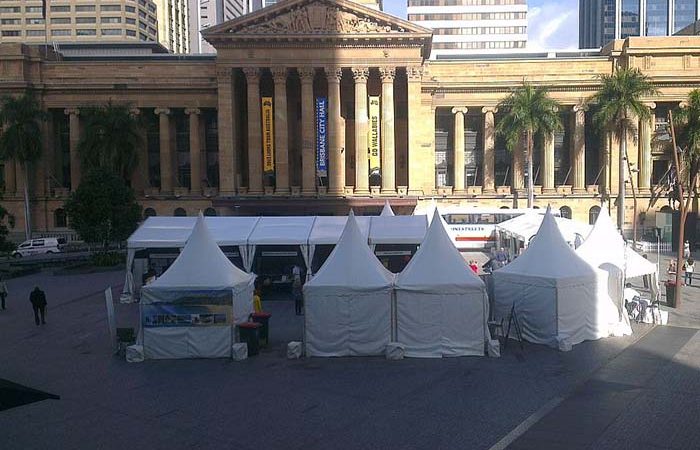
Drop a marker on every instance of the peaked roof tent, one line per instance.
(437, 250)
(387, 211)
(201, 264)
(352, 265)
(525, 226)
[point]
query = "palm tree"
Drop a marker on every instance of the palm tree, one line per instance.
(687, 164)
(21, 140)
(529, 111)
(111, 140)
(618, 100)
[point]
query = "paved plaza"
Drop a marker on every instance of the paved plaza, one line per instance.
(634, 392)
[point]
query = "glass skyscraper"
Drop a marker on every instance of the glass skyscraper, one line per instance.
(601, 21)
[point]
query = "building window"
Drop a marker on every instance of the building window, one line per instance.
(59, 218)
(60, 32)
(10, 9)
(565, 212)
(210, 212)
(593, 214)
(35, 21)
(130, 21)
(149, 212)
(111, 20)
(111, 32)
(131, 33)
(32, 9)
(85, 8)
(89, 32)
(36, 33)
(180, 212)
(130, 9)
(60, 20)
(110, 8)
(85, 20)
(59, 9)
(12, 21)
(11, 33)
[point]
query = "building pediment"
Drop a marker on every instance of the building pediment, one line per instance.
(315, 20)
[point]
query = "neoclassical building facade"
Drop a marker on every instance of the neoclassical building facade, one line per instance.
(319, 106)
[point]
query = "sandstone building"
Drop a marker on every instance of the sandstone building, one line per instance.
(241, 132)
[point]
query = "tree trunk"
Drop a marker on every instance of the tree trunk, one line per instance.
(621, 180)
(634, 202)
(27, 209)
(530, 180)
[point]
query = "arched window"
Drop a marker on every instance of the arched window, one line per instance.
(504, 207)
(180, 212)
(210, 212)
(59, 218)
(666, 209)
(593, 214)
(149, 212)
(565, 212)
(535, 207)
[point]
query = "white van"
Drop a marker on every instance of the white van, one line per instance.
(37, 247)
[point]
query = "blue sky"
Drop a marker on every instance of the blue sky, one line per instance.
(551, 24)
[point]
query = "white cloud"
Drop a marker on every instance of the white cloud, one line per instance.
(553, 27)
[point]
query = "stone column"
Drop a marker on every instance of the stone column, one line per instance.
(336, 133)
(74, 139)
(360, 74)
(166, 151)
(578, 153)
(489, 161)
(418, 168)
(646, 130)
(279, 75)
(548, 164)
(388, 148)
(308, 131)
(255, 176)
(227, 133)
(519, 164)
(195, 151)
(459, 112)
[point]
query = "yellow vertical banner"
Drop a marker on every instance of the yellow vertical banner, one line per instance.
(373, 138)
(268, 135)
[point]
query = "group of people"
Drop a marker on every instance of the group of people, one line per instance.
(499, 258)
(688, 267)
(37, 298)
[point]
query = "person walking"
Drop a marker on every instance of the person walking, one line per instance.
(689, 269)
(298, 295)
(38, 300)
(3, 293)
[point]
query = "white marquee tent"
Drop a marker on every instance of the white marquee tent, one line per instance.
(397, 230)
(387, 211)
(525, 226)
(560, 299)
(441, 305)
(347, 304)
(190, 311)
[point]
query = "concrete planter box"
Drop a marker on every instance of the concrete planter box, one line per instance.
(323, 190)
(444, 190)
(180, 191)
(349, 190)
(592, 189)
(375, 191)
(151, 192)
(402, 190)
(269, 190)
(503, 190)
(474, 190)
(296, 191)
(209, 192)
(564, 189)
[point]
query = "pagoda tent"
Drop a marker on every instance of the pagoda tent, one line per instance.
(347, 304)
(441, 305)
(387, 211)
(191, 310)
(559, 299)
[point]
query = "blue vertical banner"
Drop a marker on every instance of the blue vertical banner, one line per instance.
(322, 136)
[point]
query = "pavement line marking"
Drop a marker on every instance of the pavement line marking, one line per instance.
(527, 423)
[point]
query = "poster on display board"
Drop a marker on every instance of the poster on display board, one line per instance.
(373, 137)
(322, 136)
(190, 309)
(268, 134)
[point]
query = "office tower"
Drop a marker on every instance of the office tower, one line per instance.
(207, 13)
(472, 26)
(601, 21)
(78, 21)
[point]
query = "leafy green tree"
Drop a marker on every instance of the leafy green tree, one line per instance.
(529, 111)
(111, 140)
(103, 209)
(686, 161)
(619, 100)
(21, 140)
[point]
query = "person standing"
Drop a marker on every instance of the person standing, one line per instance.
(689, 269)
(3, 293)
(298, 295)
(686, 249)
(38, 300)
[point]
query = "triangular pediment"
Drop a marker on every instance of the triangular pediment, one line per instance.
(315, 19)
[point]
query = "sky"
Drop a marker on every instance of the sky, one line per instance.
(552, 25)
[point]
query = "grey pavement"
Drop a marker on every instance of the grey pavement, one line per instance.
(270, 402)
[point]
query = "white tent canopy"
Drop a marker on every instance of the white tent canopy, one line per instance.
(348, 303)
(397, 230)
(387, 211)
(441, 305)
(289, 230)
(191, 309)
(559, 298)
(525, 226)
(605, 245)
